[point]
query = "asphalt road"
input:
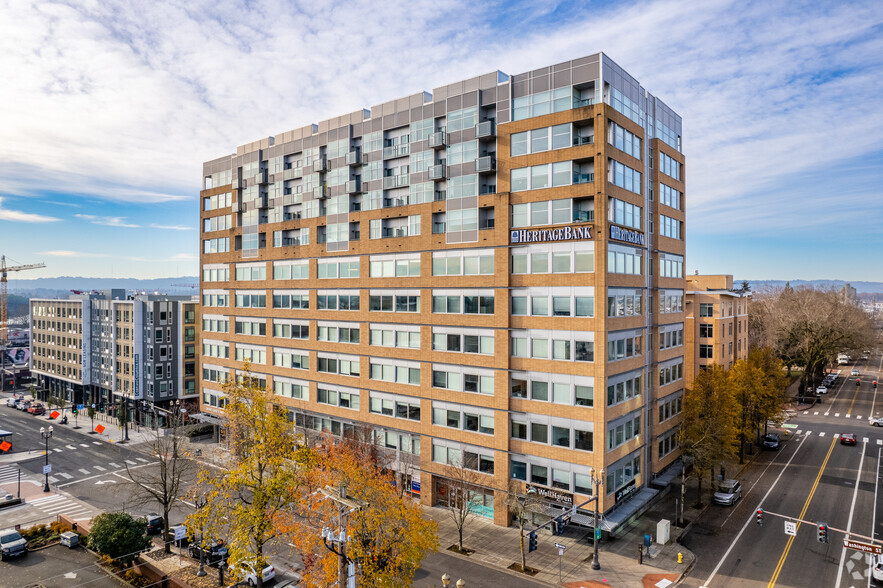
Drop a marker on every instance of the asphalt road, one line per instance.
(814, 478)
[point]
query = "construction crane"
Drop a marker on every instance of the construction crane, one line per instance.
(3, 297)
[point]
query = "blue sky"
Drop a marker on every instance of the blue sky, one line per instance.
(108, 110)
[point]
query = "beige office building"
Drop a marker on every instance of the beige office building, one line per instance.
(717, 323)
(489, 276)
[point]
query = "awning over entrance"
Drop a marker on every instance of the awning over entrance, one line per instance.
(207, 418)
(633, 506)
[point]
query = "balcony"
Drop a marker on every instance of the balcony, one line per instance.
(354, 157)
(393, 202)
(354, 186)
(390, 182)
(486, 224)
(259, 178)
(438, 171)
(585, 140)
(438, 228)
(440, 195)
(393, 151)
(487, 189)
(354, 235)
(319, 164)
(355, 206)
(438, 139)
(290, 241)
(583, 216)
(319, 192)
(580, 178)
(577, 103)
(286, 216)
(485, 129)
(488, 163)
(394, 232)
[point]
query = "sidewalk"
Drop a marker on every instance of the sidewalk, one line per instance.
(498, 547)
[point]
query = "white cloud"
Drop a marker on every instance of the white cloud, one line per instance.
(62, 253)
(23, 217)
(110, 221)
(184, 257)
(173, 227)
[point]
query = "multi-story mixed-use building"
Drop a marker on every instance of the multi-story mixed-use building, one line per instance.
(104, 348)
(489, 276)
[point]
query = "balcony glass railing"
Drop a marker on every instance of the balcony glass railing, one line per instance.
(585, 216)
(438, 228)
(583, 140)
(577, 103)
(580, 178)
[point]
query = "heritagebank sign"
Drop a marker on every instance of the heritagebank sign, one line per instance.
(548, 235)
(626, 235)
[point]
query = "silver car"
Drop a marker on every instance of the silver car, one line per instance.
(728, 492)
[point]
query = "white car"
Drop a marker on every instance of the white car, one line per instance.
(877, 572)
(728, 492)
(822, 390)
(854, 372)
(876, 421)
(246, 571)
(11, 402)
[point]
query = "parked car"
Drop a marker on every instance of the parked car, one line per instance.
(854, 372)
(36, 409)
(728, 492)
(246, 571)
(876, 421)
(822, 389)
(154, 523)
(23, 404)
(877, 572)
(11, 402)
(771, 441)
(847, 439)
(12, 544)
(213, 553)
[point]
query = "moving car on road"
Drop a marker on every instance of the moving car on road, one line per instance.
(876, 421)
(728, 492)
(12, 544)
(854, 372)
(847, 439)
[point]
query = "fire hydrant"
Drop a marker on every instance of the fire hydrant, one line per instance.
(680, 557)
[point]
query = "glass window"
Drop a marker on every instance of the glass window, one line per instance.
(519, 144)
(539, 177)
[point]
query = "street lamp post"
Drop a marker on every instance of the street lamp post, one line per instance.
(597, 480)
(46, 434)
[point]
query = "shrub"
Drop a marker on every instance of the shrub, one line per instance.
(119, 536)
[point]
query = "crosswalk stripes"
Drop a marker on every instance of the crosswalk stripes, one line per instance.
(8, 473)
(57, 450)
(130, 462)
(99, 468)
(70, 446)
(865, 439)
(849, 416)
(65, 475)
(58, 504)
(84, 471)
(114, 465)
(141, 459)
(84, 445)
(822, 434)
(836, 435)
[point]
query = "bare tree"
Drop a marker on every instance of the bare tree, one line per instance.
(521, 505)
(164, 482)
(464, 495)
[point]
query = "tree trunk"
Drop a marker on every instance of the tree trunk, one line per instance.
(683, 492)
(460, 535)
(523, 557)
(699, 488)
(167, 543)
(742, 447)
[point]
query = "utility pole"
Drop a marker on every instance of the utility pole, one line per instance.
(346, 571)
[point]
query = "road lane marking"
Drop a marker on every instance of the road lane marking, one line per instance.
(130, 462)
(100, 469)
(849, 415)
(57, 450)
(858, 479)
(865, 439)
(815, 413)
(99, 475)
(812, 491)
(114, 465)
(874, 516)
(84, 445)
(751, 516)
(141, 459)
(70, 446)
(822, 434)
(879, 441)
(53, 480)
(836, 435)
(827, 413)
(836, 414)
(84, 471)
(65, 475)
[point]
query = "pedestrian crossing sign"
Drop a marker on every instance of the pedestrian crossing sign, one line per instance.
(99, 429)
(5, 446)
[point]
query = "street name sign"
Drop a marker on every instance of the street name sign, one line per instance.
(560, 546)
(864, 547)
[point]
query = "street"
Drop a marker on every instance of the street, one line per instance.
(814, 478)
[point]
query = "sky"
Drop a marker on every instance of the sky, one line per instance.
(108, 110)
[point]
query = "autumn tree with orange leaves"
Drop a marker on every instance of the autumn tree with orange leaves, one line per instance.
(387, 534)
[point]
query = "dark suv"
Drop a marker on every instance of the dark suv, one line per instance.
(213, 554)
(154, 523)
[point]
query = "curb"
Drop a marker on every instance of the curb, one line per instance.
(498, 568)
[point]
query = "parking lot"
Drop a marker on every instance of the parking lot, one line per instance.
(54, 567)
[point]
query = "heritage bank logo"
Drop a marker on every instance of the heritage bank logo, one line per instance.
(548, 235)
(626, 235)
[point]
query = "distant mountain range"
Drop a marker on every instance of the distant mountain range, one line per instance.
(861, 287)
(53, 287)
(62, 286)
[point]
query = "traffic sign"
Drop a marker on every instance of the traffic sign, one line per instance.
(79, 407)
(598, 533)
(560, 546)
(47, 469)
(791, 528)
(865, 547)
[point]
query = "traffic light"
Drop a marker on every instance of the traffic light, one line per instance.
(760, 516)
(558, 525)
(822, 533)
(875, 384)
(74, 410)
(531, 541)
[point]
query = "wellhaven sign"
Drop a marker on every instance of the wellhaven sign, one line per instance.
(550, 235)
